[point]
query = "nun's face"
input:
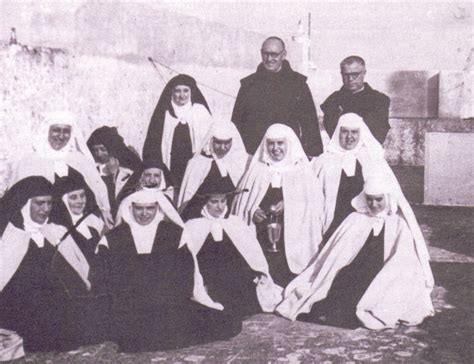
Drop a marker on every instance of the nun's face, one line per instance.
(144, 213)
(100, 153)
(349, 137)
(376, 203)
(216, 204)
(151, 177)
(181, 95)
(59, 135)
(40, 207)
(277, 148)
(221, 146)
(76, 201)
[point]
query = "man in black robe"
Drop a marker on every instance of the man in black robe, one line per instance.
(276, 94)
(356, 96)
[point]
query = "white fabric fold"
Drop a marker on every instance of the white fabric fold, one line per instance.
(245, 241)
(198, 119)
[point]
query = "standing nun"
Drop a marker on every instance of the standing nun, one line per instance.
(283, 186)
(351, 154)
(221, 160)
(151, 280)
(61, 151)
(42, 270)
(179, 123)
(230, 263)
(374, 271)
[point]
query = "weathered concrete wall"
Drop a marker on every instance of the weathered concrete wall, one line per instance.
(449, 169)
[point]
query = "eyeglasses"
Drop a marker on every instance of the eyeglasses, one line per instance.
(271, 54)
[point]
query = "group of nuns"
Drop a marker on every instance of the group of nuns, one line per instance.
(200, 235)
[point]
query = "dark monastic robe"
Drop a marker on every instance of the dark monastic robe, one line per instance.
(42, 303)
(349, 187)
(370, 104)
(277, 262)
(151, 306)
(181, 153)
(228, 277)
(350, 284)
(213, 179)
(266, 98)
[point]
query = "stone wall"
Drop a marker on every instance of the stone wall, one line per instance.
(123, 92)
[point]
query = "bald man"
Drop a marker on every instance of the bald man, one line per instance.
(276, 94)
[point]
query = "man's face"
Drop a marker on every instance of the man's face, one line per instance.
(353, 76)
(40, 208)
(59, 135)
(181, 95)
(151, 177)
(76, 201)
(376, 203)
(221, 146)
(277, 148)
(216, 205)
(349, 137)
(144, 213)
(100, 153)
(273, 54)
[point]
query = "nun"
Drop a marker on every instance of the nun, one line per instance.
(42, 270)
(179, 123)
(72, 208)
(351, 154)
(222, 159)
(284, 203)
(374, 271)
(61, 151)
(151, 280)
(114, 161)
(230, 264)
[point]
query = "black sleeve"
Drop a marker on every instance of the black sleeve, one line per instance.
(308, 118)
(238, 116)
(331, 111)
(377, 119)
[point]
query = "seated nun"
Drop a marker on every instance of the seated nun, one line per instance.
(351, 154)
(42, 270)
(284, 203)
(230, 264)
(374, 271)
(73, 209)
(179, 123)
(151, 280)
(221, 160)
(61, 151)
(114, 161)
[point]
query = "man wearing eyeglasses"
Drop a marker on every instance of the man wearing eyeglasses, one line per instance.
(276, 94)
(356, 96)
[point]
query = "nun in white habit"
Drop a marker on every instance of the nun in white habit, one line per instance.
(222, 159)
(352, 154)
(231, 272)
(373, 272)
(283, 187)
(42, 269)
(61, 151)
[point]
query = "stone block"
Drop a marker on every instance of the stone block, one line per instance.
(455, 94)
(413, 94)
(449, 169)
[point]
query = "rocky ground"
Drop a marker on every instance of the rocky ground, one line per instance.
(444, 338)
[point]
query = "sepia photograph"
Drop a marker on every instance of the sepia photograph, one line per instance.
(234, 181)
